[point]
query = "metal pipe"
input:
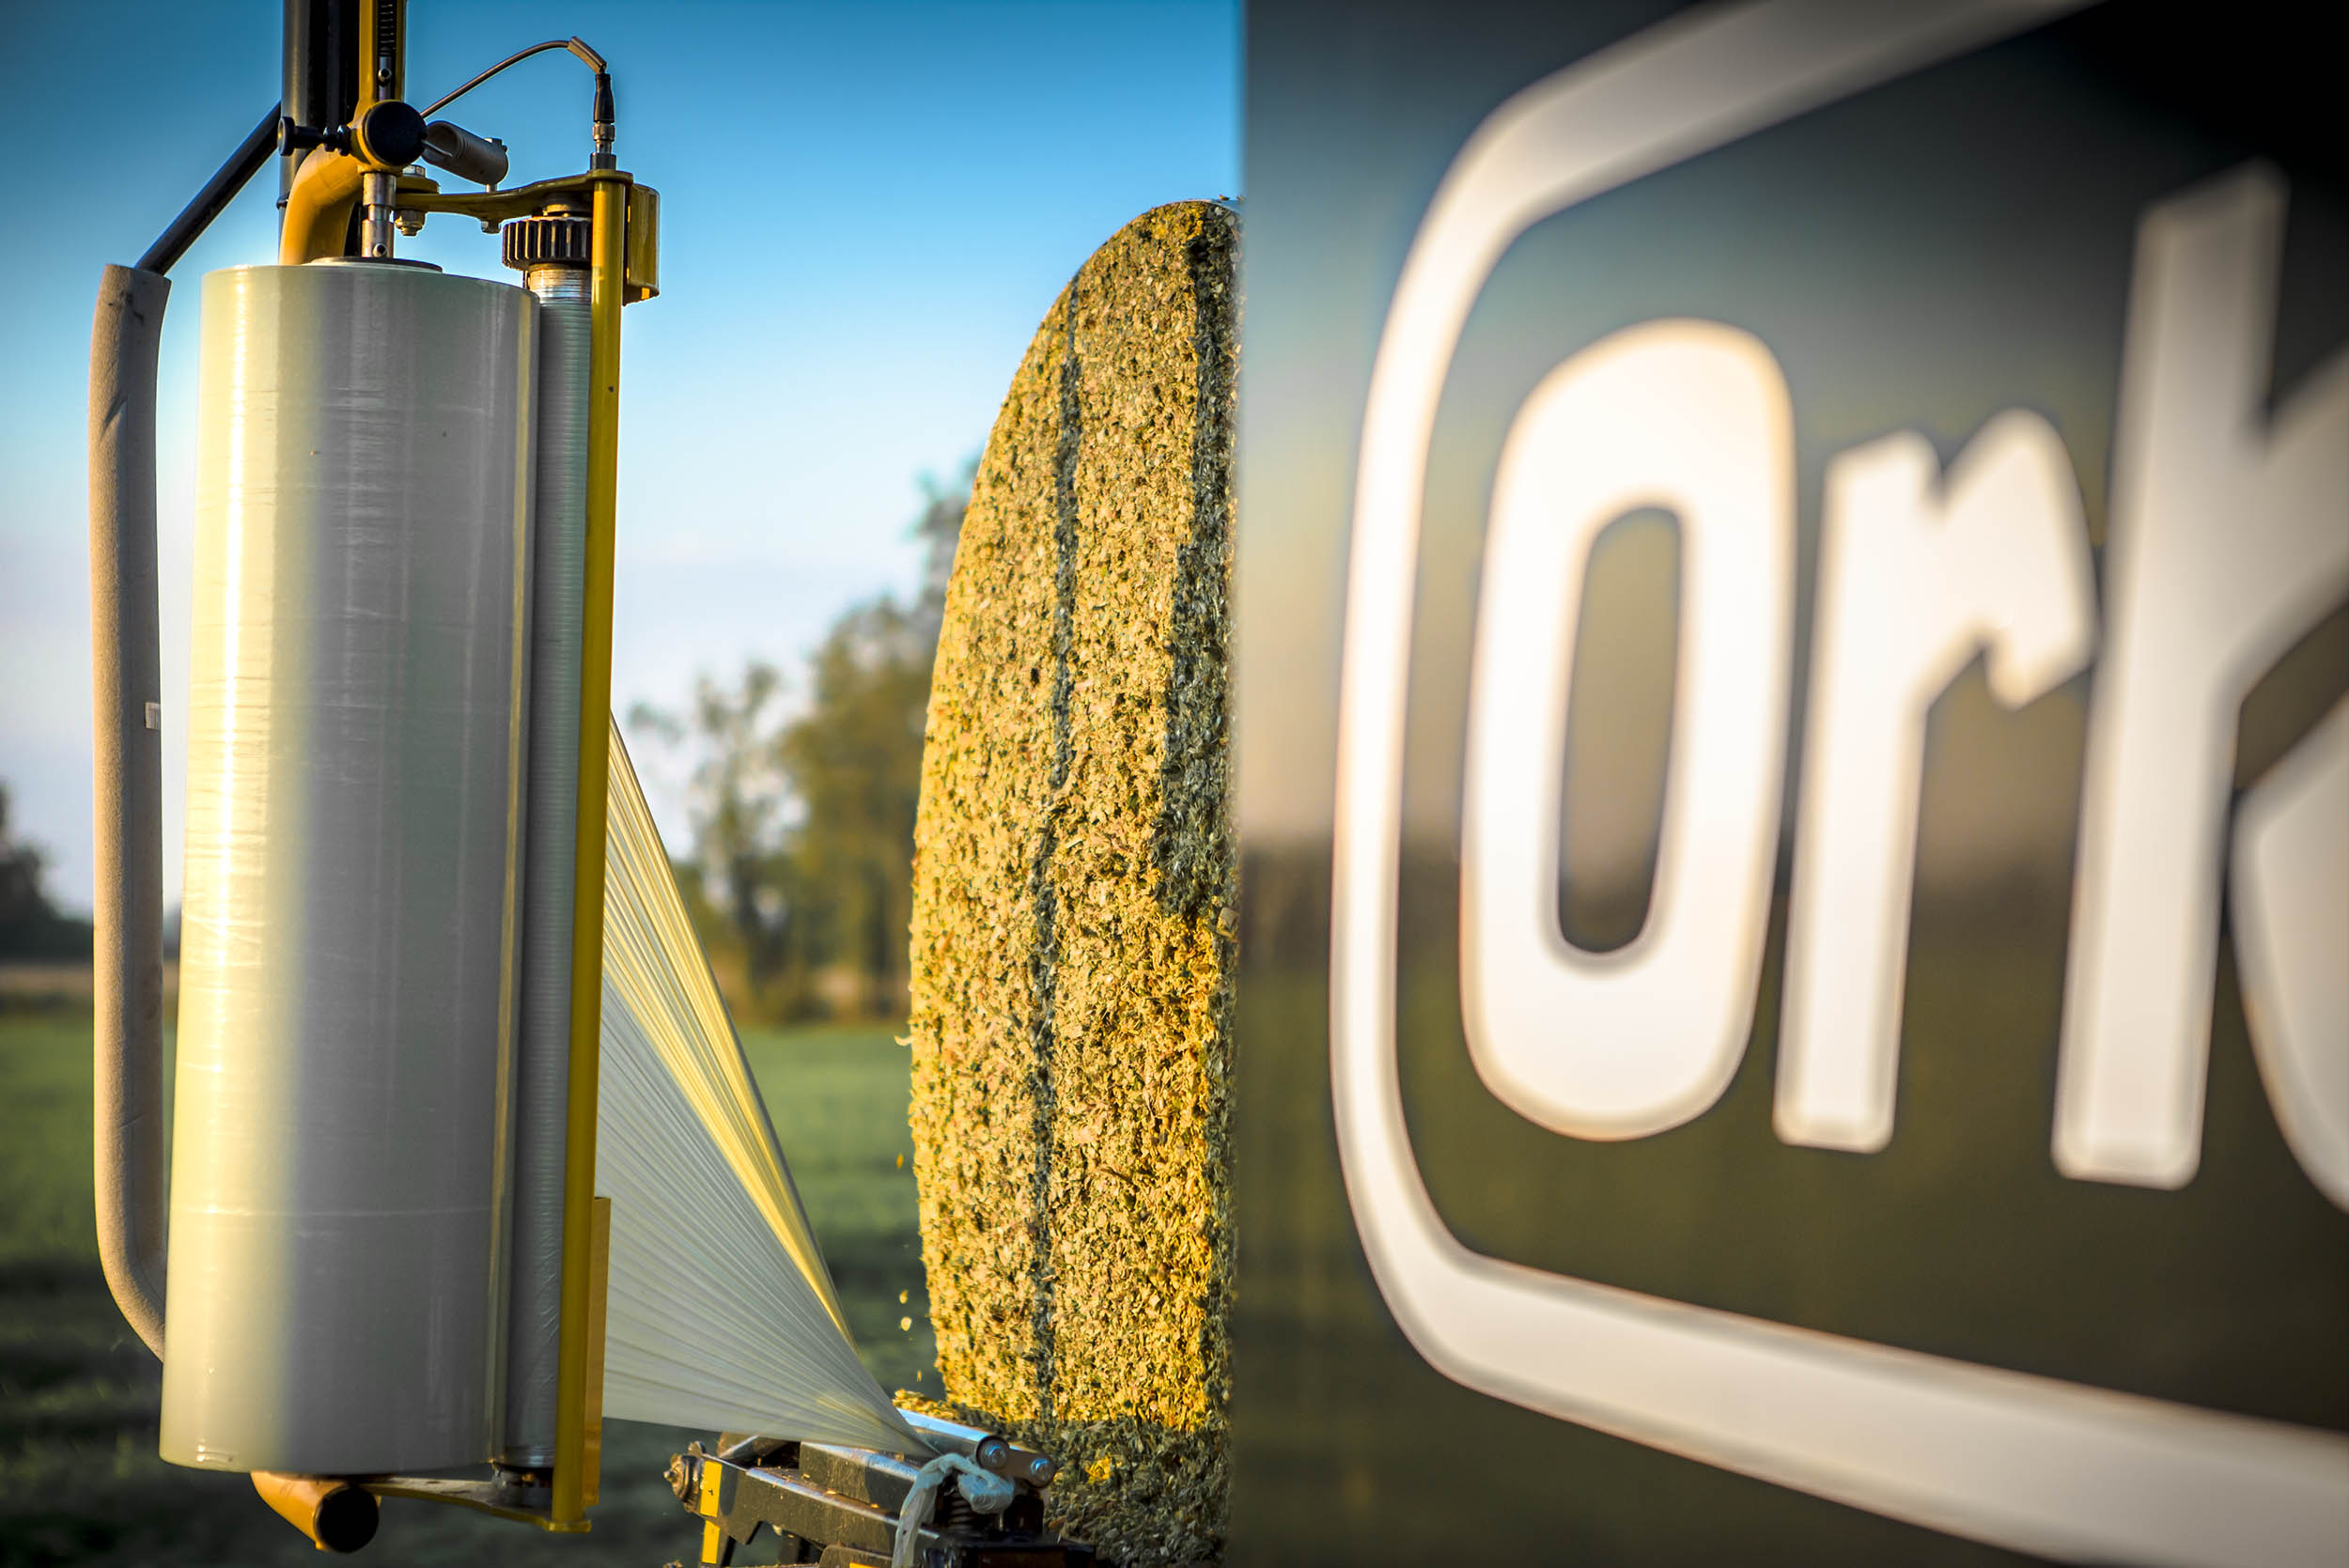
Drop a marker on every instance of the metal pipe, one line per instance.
(380, 192)
(127, 940)
(335, 1513)
(318, 207)
(542, 1067)
(451, 147)
(218, 193)
(320, 74)
(299, 79)
(608, 282)
(987, 1450)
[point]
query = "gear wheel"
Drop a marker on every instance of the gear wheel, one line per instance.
(552, 241)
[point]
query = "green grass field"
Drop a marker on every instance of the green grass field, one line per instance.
(80, 1482)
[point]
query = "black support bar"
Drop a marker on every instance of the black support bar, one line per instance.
(218, 193)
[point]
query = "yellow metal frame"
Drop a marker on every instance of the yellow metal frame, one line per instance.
(624, 262)
(598, 1292)
(299, 1499)
(711, 1505)
(607, 291)
(623, 268)
(641, 260)
(318, 208)
(371, 51)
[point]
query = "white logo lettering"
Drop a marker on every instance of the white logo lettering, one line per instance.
(1693, 418)
(2228, 543)
(2291, 899)
(1912, 586)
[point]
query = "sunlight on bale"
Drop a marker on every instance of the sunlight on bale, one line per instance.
(1072, 931)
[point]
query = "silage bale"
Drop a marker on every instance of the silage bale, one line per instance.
(1073, 905)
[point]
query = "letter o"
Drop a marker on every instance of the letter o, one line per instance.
(1692, 417)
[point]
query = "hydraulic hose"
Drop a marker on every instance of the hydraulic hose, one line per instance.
(126, 950)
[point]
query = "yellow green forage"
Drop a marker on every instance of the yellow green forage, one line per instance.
(1072, 938)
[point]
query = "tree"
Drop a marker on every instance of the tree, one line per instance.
(30, 925)
(802, 855)
(740, 805)
(854, 761)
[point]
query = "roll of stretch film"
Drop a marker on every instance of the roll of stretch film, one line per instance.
(542, 1069)
(349, 950)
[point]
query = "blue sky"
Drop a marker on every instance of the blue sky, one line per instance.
(866, 208)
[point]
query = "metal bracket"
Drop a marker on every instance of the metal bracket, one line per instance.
(491, 207)
(836, 1505)
(501, 1495)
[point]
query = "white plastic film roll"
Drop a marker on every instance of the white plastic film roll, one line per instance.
(355, 746)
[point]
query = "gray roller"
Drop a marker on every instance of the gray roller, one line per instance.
(348, 958)
(542, 1074)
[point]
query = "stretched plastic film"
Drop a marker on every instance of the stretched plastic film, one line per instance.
(720, 1312)
(354, 772)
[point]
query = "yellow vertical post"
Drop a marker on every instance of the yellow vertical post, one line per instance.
(383, 59)
(598, 1282)
(607, 282)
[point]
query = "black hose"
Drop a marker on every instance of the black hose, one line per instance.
(127, 924)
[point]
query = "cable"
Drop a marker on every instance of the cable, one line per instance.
(578, 47)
